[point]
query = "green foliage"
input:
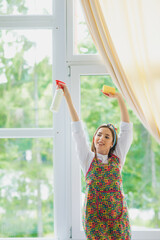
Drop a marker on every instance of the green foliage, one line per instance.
(25, 180)
(94, 104)
(17, 103)
(86, 46)
(11, 5)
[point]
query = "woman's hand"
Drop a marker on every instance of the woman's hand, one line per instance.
(110, 95)
(65, 90)
(123, 108)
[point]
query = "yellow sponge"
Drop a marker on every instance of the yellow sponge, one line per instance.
(107, 89)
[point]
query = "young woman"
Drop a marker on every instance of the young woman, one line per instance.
(105, 213)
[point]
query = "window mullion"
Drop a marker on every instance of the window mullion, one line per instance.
(25, 132)
(30, 21)
(61, 124)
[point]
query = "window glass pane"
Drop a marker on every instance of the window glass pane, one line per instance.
(25, 78)
(26, 189)
(140, 172)
(83, 43)
(23, 7)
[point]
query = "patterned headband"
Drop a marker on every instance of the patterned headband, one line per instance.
(115, 132)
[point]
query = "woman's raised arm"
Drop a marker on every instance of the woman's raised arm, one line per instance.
(123, 108)
(73, 113)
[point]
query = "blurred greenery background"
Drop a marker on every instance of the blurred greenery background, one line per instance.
(26, 165)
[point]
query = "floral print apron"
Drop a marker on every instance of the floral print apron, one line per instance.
(105, 213)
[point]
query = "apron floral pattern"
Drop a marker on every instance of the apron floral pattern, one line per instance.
(105, 213)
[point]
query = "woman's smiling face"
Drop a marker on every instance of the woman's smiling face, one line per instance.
(103, 140)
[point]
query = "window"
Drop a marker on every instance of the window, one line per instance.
(83, 43)
(26, 133)
(42, 186)
(80, 46)
(26, 187)
(26, 74)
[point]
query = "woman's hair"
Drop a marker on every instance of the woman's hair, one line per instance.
(114, 135)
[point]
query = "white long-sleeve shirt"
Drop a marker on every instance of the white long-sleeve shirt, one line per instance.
(83, 149)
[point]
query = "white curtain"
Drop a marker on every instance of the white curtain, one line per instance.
(127, 35)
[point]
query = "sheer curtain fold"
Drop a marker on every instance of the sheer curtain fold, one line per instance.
(127, 35)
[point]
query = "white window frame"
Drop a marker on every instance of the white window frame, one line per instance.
(71, 57)
(77, 233)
